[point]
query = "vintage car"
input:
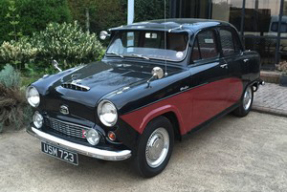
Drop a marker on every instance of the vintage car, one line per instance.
(158, 81)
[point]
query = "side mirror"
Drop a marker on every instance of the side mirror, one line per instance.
(104, 35)
(157, 72)
(56, 65)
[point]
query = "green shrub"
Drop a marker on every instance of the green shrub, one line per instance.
(9, 77)
(14, 111)
(68, 44)
(33, 16)
(18, 52)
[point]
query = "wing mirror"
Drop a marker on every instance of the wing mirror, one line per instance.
(104, 35)
(157, 73)
(56, 65)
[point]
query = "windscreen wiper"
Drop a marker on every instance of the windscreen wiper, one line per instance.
(119, 55)
(140, 56)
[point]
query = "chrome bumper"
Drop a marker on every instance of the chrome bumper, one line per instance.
(81, 149)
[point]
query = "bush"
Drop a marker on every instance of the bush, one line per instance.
(65, 42)
(282, 66)
(9, 77)
(33, 15)
(13, 107)
(18, 52)
(68, 44)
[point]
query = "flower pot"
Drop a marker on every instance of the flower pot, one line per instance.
(283, 80)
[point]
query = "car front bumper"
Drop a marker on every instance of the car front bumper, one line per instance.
(81, 149)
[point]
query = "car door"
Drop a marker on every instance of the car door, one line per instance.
(208, 78)
(232, 54)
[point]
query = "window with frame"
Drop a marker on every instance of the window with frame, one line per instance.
(229, 43)
(204, 46)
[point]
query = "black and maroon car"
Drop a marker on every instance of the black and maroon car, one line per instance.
(158, 81)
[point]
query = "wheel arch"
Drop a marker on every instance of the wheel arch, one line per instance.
(171, 116)
(139, 119)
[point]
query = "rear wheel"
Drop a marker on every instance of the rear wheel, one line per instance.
(246, 103)
(155, 147)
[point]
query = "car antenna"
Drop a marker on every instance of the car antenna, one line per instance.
(165, 39)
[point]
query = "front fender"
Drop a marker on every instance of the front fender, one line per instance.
(140, 118)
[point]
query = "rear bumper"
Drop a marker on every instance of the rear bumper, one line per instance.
(81, 149)
(257, 83)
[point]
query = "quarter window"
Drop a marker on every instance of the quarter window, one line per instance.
(204, 46)
(229, 43)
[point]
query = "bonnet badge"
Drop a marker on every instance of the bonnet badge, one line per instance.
(64, 110)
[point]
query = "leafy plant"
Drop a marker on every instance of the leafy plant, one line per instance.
(18, 52)
(13, 18)
(13, 107)
(9, 77)
(282, 66)
(30, 16)
(67, 43)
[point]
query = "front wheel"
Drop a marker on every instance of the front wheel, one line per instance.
(155, 147)
(246, 103)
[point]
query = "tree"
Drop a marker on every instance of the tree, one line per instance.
(103, 14)
(13, 17)
(29, 16)
(151, 9)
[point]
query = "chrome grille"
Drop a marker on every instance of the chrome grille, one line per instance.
(68, 129)
(75, 86)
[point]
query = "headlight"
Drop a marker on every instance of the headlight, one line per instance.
(107, 113)
(38, 120)
(33, 96)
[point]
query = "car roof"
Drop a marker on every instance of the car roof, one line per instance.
(174, 25)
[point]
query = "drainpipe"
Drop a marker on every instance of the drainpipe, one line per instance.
(277, 55)
(131, 11)
(242, 21)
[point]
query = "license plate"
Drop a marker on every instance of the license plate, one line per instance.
(60, 153)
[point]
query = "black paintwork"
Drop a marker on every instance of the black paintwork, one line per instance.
(124, 80)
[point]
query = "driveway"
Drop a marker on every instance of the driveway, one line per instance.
(232, 154)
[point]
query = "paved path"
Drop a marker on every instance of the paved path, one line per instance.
(231, 155)
(271, 98)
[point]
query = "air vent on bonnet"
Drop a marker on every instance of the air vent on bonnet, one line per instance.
(75, 86)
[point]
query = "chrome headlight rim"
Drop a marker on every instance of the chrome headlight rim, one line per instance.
(100, 113)
(93, 137)
(38, 120)
(29, 95)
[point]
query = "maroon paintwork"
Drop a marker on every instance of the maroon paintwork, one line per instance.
(192, 107)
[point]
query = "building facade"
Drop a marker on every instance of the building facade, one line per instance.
(258, 22)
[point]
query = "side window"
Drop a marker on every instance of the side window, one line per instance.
(230, 44)
(204, 46)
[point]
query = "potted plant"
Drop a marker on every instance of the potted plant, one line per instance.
(282, 66)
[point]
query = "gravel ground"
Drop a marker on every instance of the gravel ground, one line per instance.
(232, 154)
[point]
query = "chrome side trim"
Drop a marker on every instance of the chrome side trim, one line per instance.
(81, 149)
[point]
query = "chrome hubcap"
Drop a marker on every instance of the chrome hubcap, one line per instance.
(157, 147)
(247, 98)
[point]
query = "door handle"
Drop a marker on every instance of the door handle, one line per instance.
(245, 60)
(223, 66)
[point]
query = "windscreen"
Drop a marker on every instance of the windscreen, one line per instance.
(149, 45)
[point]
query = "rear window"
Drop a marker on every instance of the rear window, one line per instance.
(204, 46)
(229, 42)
